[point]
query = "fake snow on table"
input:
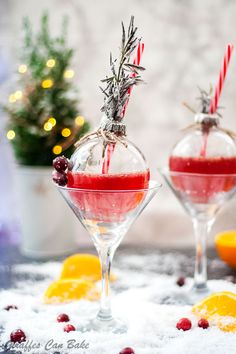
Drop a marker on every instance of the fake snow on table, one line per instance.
(138, 297)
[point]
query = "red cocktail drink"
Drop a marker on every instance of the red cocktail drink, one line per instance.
(98, 199)
(196, 176)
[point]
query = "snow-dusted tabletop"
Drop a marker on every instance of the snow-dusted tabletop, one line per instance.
(140, 296)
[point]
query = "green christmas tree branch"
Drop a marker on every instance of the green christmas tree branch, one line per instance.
(47, 92)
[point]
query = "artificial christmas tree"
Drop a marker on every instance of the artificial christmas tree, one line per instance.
(44, 117)
(44, 122)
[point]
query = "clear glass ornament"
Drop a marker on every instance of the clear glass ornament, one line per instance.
(101, 164)
(220, 143)
(125, 157)
(204, 147)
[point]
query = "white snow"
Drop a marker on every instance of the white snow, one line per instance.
(136, 299)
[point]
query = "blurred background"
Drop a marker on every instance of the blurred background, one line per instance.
(184, 46)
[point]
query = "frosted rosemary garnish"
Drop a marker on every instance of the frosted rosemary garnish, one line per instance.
(124, 76)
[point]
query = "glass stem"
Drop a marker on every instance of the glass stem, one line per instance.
(201, 230)
(105, 256)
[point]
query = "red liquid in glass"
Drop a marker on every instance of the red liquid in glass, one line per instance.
(202, 188)
(214, 165)
(97, 203)
(129, 181)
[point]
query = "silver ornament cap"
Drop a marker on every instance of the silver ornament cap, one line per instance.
(113, 126)
(207, 119)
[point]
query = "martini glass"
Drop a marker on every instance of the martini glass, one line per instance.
(107, 216)
(202, 196)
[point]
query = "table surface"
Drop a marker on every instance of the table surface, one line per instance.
(178, 262)
(183, 258)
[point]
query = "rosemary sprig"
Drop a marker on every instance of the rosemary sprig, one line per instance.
(122, 76)
(205, 101)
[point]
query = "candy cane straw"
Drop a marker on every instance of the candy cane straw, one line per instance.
(136, 61)
(223, 71)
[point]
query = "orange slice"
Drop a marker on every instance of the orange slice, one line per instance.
(226, 247)
(66, 290)
(86, 266)
(220, 309)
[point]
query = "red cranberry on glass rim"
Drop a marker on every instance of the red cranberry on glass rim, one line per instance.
(60, 163)
(59, 175)
(59, 178)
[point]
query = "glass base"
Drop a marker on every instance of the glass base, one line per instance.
(112, 326)
(197, 293)
(188, 296)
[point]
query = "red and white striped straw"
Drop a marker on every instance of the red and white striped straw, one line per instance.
(136, 61)
(223, 71)
(139, 53)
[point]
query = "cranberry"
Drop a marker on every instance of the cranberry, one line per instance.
(60, 163)
(68, 328)
(10, 307)
(180, 281)
(59, 178)
(63, 318)
(127, 350)
(203, 323)
(17, 336)
(184, 324)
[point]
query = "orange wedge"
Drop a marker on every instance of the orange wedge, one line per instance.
(220, 309)
(66, 290)
(226, 246)
(86, 266)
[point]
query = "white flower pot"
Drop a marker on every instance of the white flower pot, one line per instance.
(47, 223)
